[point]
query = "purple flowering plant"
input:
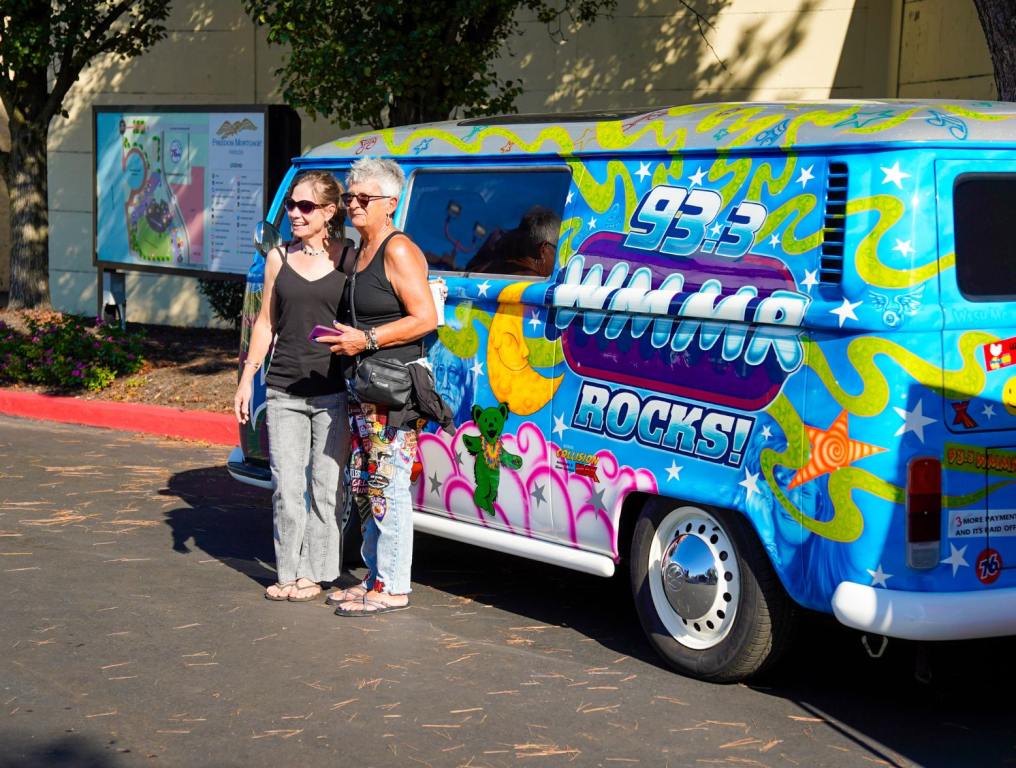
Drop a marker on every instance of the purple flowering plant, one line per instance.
(67, 352)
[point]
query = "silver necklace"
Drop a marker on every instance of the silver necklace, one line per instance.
(314, 252)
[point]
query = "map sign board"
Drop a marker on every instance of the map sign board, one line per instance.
(181, 189)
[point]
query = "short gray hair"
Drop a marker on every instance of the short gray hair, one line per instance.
(385, 173)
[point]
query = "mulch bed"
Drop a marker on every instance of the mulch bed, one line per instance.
(190, 368)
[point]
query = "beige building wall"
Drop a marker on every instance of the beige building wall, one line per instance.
(653, 52)
(212, 55)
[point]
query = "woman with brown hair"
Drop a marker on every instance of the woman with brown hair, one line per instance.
(308, 428)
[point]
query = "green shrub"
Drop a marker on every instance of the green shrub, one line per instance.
(226, 299)
(67, 352)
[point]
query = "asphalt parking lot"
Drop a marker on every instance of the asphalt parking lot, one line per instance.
(134, 632)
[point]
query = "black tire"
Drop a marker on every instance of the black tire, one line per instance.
(749, 618)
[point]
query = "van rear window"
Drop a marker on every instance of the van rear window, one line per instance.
(983, 208)
(495, 221)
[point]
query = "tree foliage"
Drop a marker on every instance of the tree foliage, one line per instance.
(44, 46)
(396, 62)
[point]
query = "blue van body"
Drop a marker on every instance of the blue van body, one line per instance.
(778, 339)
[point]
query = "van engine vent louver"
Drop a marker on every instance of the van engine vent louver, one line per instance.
(834, 225)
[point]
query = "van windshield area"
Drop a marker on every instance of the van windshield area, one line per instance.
(983, 206)
(495, 221)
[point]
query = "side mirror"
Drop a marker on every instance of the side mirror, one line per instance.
(266, 237)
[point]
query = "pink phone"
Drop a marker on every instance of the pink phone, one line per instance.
(323, 330)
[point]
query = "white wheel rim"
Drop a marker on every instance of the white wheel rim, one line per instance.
(714, 624)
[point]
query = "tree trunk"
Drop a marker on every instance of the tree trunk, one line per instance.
(998, 19)
(27, 187)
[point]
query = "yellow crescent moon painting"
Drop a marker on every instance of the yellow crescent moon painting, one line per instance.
(512, 377)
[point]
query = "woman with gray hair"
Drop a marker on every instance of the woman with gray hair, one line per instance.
(393, 312)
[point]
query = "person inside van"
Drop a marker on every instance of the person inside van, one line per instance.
(393, 311)
(527, 250)
(308, 429)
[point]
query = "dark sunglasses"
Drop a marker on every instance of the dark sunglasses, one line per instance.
(305, 206)
(361, 197)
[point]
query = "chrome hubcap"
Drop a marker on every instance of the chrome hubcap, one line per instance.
(694, 577)
(690, 577)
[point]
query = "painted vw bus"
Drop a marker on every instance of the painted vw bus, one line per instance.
(770, 362)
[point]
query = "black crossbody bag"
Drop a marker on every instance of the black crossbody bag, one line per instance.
(377, 379)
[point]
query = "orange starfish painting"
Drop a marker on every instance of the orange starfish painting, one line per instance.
(831, 449)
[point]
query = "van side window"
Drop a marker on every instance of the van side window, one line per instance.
(495, 221)
(983, 208)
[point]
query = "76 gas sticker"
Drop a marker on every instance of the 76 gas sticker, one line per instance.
(989, 566)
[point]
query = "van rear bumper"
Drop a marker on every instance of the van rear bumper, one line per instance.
(244, 472)
(926, 615)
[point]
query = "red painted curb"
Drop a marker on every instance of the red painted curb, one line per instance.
(219, 428)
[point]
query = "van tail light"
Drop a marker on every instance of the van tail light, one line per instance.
(924, 512)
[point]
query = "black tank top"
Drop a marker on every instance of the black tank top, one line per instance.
(300, 366)
(377, 304)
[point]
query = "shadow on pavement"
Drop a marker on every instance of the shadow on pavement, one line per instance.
(72, 751)
(226, 519)
(936, 704)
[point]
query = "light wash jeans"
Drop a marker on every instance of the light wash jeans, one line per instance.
(308, 448)
(380, 464)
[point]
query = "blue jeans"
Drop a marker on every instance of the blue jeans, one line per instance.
(381, 460)
(308, 446)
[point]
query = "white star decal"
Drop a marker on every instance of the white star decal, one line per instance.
(956, 559)
(904, 247)
(673, 471)
(484, 286)
(571, 196)
(716, 229)
(559, 426)
(806, 176)
(477, 368)
(913, 421)
(894, 175)
(750, 483)
(988, 411)
(845, 311)
(696, 178)
(811, 280)
(643, 171)
(774, 240)
(592, 223)
(879, 577)
(534, 320)
(766, 432)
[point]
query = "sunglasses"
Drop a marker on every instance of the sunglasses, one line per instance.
(305, 206)
(361, 197)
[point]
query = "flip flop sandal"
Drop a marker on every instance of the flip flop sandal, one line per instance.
(376, 608)
(307, 599)
(280, 585)
(347, 595)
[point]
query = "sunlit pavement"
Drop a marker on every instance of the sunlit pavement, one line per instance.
(134, 631)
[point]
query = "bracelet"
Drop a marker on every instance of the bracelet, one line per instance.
(252, 363)
(372, 344)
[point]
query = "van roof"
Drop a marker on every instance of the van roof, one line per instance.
(731, 127)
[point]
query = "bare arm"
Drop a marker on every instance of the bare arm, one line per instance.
(406, 269)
